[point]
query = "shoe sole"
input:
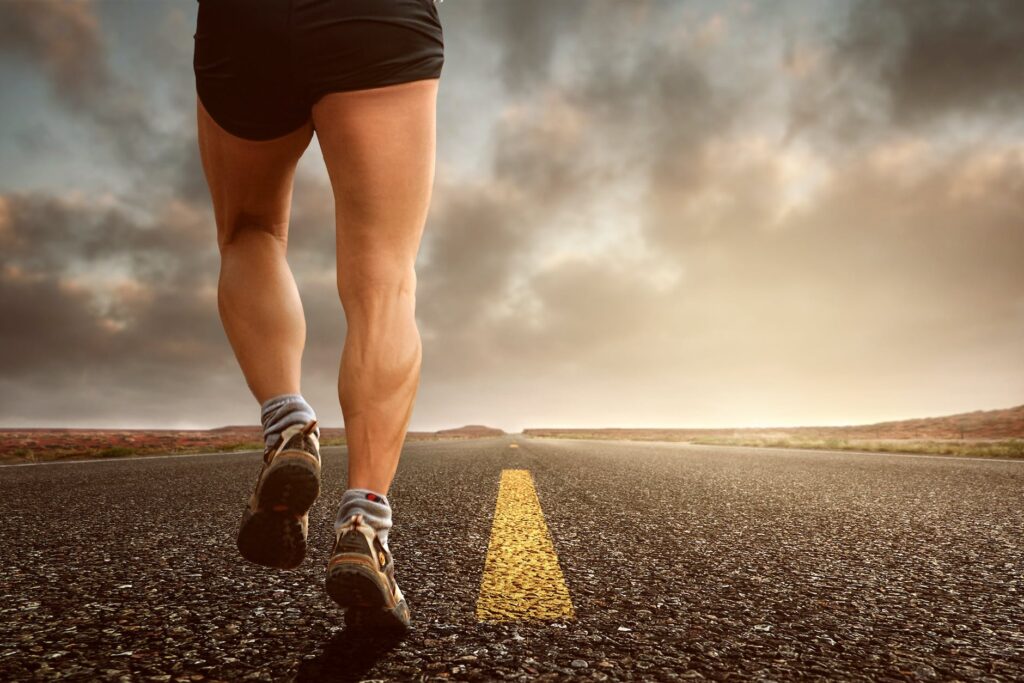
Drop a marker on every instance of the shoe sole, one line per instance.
(273, 534)
(368, 603)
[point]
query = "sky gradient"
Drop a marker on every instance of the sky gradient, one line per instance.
(663, 214)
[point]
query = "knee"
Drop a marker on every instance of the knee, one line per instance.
(369, 288)
(243, 227)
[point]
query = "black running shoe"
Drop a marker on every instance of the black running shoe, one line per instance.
(275, 525)
(361, 578)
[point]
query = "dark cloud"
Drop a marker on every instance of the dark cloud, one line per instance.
(50, 330)
(527, 32)
(941, 57)
(90, 284)
(904, 65)
(65, 40)
(478, 236)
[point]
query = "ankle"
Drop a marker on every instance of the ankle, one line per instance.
(372, 505)
(279, 412)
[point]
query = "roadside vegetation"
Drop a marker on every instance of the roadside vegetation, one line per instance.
(980, 448)
(50, 445)
(19, 455)
(1009, 448)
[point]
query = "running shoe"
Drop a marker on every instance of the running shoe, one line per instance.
(276, 523)
(361, 578)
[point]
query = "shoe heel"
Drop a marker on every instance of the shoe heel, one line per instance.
(366, 607)
(272, 539)
(291, 487)
(352, 585)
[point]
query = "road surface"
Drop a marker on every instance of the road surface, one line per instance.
(650, 561)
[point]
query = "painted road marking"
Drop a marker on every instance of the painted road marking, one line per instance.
(522, 579)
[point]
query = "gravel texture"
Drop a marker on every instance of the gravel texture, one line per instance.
(682, 563)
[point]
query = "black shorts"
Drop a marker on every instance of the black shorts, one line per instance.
(261, 65)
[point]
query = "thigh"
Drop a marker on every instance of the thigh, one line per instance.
(379, 147)
(250, 181)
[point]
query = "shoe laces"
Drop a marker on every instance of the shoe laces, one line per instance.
(310, 429)
(351, 522)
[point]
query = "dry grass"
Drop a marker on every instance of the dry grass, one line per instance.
(43, 445)
(981, 448)
(27, 455)
(1006, 448)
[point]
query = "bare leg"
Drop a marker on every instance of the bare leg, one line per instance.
(251, 187)
(379, 147)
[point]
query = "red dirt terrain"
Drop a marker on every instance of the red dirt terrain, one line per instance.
(45, 444)
(981, 424)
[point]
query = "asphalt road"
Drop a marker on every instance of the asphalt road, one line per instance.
(681, 563)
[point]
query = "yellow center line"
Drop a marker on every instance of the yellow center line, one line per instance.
(522, 579)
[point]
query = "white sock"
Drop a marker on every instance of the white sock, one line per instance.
(283, 410)
(374, 507)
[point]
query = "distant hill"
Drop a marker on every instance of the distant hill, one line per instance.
(470, 432)
(980, 424)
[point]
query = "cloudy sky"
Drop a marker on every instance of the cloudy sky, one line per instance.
(645, 214)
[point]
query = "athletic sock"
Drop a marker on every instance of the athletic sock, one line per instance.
(374, 507)
(279, 412)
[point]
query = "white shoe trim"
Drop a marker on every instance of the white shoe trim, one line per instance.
(292, 430)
